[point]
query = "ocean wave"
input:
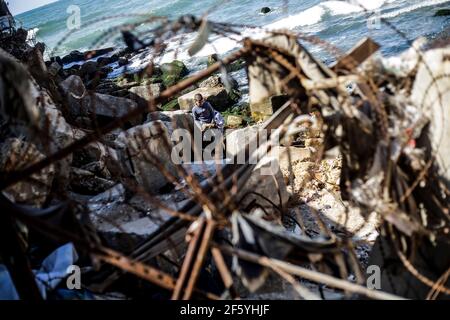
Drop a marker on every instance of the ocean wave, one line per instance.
(413, 7)
(316, 13)
(307, 17)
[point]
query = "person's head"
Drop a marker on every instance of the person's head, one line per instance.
(198, 98)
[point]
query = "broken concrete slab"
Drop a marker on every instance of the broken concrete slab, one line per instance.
(143, 147)
(431, 94)
(147, 92)
(218, 97)
(237, 139)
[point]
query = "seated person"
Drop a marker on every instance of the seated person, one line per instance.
(204, 114)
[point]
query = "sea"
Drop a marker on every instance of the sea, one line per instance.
(341, 24)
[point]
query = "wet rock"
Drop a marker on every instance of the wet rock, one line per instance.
(265, 10)
(296, 155)
(173, 72)
(232, 67)
(54, 68)
(442, 13)
(17, 155)
(213, 58)
(218, 97)
(123, 61)
(104, 71)
(74, 56)
(142, 147)
(205, 169)
(88, 69)
(82, 103)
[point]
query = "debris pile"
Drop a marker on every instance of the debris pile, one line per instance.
(348, 157)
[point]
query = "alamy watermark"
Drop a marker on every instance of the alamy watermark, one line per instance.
(373, 277)
(73, 281)
(74, 19)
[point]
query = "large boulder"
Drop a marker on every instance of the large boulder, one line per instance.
(88, 69)
(218, 97)
(74, 56)
(173, 72)
(83, 103)
(142, 148)
(17, 155)
(143, 94)
(148, 91)
(442, 13)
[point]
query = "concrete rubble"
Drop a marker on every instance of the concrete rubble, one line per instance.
(300, 203)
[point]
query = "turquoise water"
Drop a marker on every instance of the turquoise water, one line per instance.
(340, 23)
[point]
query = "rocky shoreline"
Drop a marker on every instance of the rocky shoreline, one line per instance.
(124, 186)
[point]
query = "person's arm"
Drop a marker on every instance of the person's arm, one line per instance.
(210, 107)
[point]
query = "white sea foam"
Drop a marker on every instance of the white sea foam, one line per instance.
(413, 7)
(315, 14)
(31, 35)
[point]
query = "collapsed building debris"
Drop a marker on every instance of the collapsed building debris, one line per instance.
(357, 154)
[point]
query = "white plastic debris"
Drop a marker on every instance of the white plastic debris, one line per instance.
(53, 270)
